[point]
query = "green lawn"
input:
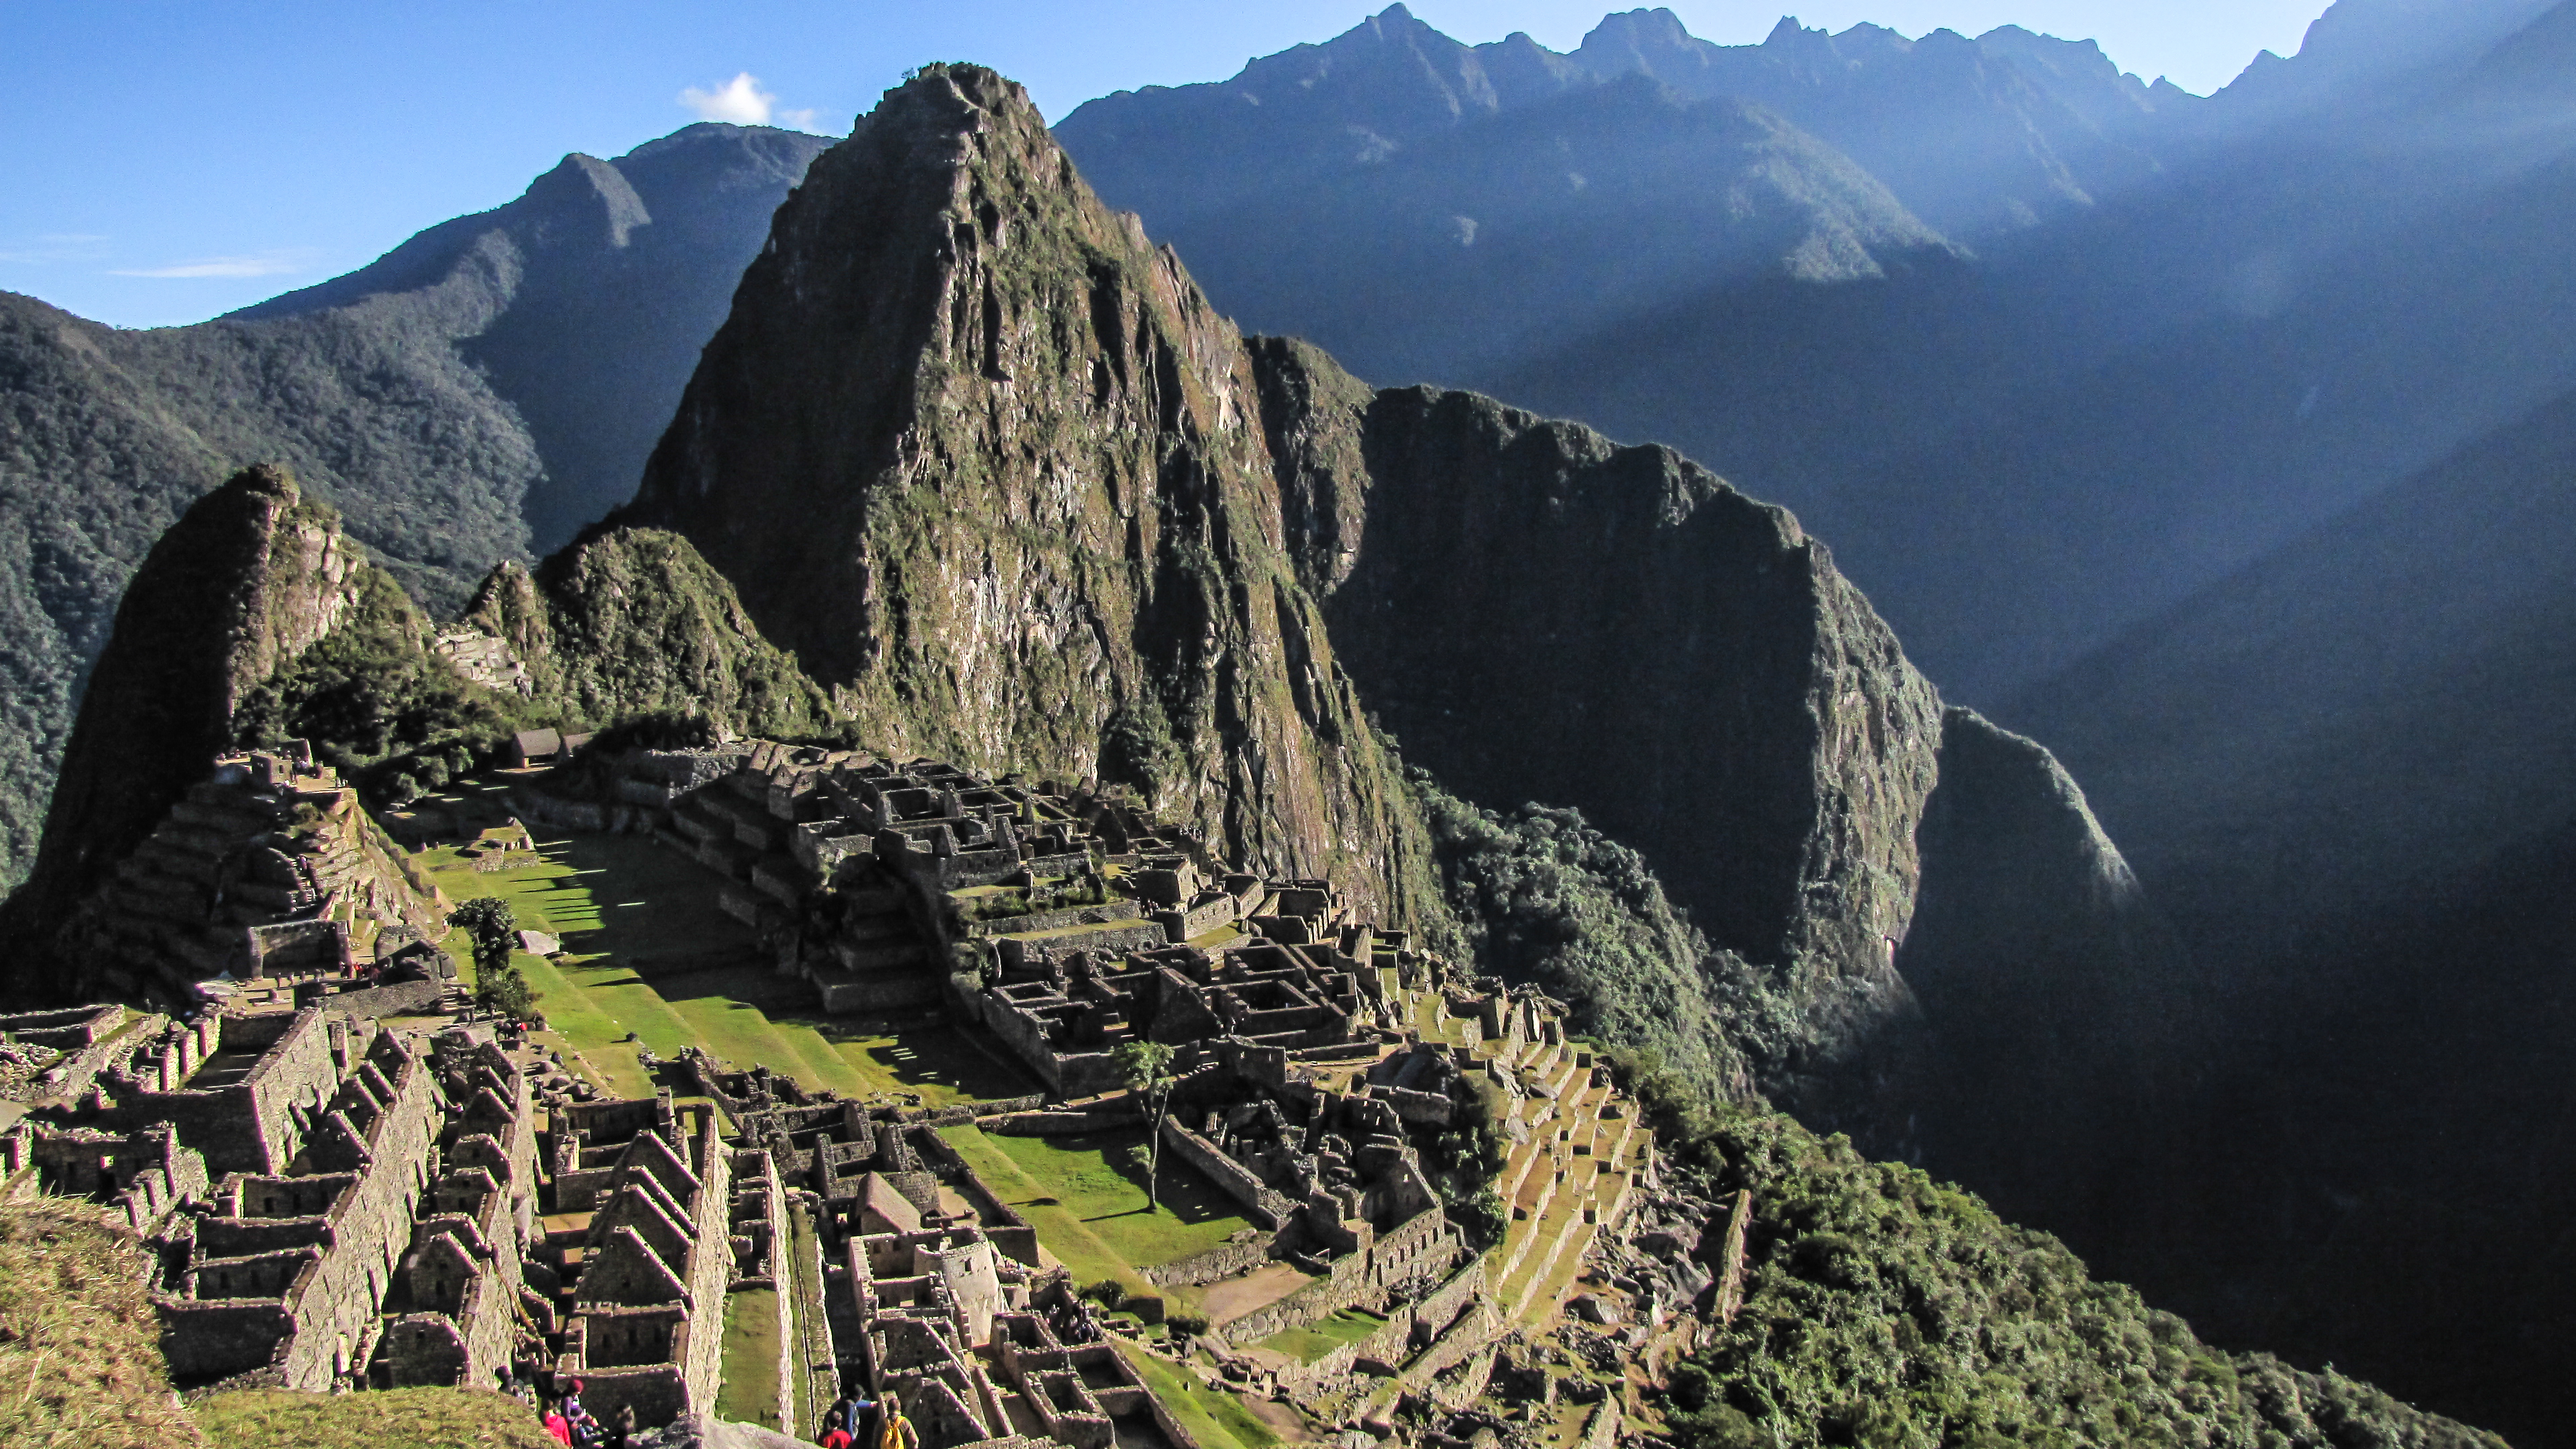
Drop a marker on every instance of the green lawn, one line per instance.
(1322, 1336)
(1217, 1419)
(649, 952)
(1063, 1233)
(749, 1392)
(1099, 1177)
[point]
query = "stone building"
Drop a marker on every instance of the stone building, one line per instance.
(642, 1303)
(454, 1317)
(284, 1270)
(981, 1343)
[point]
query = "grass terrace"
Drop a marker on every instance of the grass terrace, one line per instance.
(749, 1393)
(1215, 1418)
(1086, 1197)
(415, 1418)
(1321, 1337)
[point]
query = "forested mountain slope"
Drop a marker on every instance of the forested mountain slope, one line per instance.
(2236, 318)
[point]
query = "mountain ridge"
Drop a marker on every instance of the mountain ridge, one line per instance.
(474, 395)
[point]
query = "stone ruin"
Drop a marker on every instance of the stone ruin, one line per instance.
(336, 1203)
(268, 867)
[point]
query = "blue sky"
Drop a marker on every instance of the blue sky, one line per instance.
(168, 162)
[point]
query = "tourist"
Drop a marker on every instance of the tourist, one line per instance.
(621, 1427)
(557, 1427)
(893, 1430)
(835, 1434)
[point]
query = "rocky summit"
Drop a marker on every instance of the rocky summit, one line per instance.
(1087, 880)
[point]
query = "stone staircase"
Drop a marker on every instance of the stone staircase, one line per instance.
(878, 960)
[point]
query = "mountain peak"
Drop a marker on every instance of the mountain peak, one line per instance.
(585, 192)
(987, 460)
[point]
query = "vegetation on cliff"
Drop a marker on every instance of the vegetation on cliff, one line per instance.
(1884, 1308)
(377, 705)
(1543, 897)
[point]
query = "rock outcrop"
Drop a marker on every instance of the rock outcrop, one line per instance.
(256, 621)
(634, 621)
(252, 575)
(990, 465)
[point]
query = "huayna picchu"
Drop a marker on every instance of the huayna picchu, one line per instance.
(913, 926)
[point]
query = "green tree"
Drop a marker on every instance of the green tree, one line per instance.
(1147, 1066)
(492, 926)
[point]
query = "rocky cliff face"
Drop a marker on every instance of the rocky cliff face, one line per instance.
(249, 577)
(1538, 614)
(992, 468)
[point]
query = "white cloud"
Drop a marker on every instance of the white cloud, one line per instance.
(740, 100)
(807, 119)
(265, 264)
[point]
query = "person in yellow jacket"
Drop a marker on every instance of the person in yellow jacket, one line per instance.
(893, 1430)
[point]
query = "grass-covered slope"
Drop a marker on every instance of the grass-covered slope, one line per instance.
(413, 1418)
(80, 1355)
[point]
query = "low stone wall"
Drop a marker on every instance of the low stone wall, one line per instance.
(216, 1336)
(1730, 1267)
(894, 990)
(1215, 1263)
(1261, 1202)
(996, 1107)
(1475, 1330)
(1058, 1124)
(1602, 1429)
(405, 998)
(655, 1391)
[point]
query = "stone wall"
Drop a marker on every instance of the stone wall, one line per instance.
(371, 1222)
(246, 1125)
(1215, 1263)
(1424, 1325)
(710, 1267)
(1261, 1202)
